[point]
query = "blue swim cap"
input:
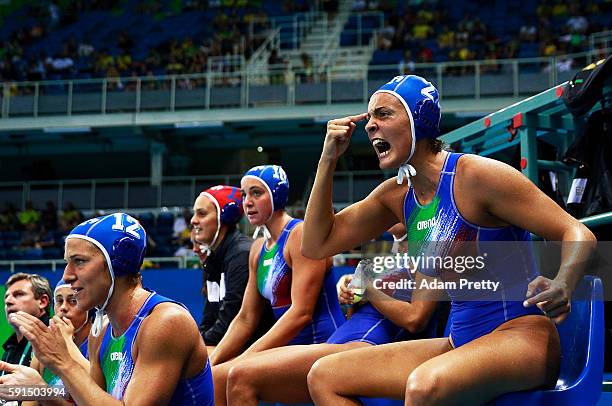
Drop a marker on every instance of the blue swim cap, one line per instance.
(275, 180)
(121, 239)
(61, 284)
(421, 101)
(123, 242)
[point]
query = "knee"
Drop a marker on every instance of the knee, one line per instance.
(318, 376)
(219, 375)
(424, 388)
(239, 381)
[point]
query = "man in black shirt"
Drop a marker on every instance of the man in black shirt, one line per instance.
(30, 293)
(224, 253)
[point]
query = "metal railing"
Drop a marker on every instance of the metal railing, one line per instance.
(291, 30)
(137, 194)
(215, 90)
(105, 194)
(599, 41)
(59, 264)
(13, 266)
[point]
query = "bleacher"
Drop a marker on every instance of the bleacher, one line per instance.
(502, 21)
(146, 30)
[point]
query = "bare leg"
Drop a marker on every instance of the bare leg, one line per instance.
(279, 374)
(379, 371)
(520, 354)
(219, 374)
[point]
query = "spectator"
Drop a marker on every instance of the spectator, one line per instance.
(406, 65)
(28, 293)
(528, 31)
(276, 67)
(29, 236)
(70, 217)
(181, 223)
(9, 221)
(48, 216)
(306, 73)
(446, 39)
(44, 238)
(29, 215)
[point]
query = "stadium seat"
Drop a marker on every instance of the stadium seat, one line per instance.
(582, 346)
(147, 220)
(165, 221)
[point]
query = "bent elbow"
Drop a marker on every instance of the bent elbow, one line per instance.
(302, 319)
(310, 252)
(416, 325)
(588, 234)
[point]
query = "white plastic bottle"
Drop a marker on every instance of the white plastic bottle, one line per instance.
(358, 283)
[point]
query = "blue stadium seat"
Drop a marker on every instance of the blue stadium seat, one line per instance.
(582, 346)
(165, 221)
(147, 219)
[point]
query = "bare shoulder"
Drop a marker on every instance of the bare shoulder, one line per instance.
(296, 233)
(255, 250)
(391, 195)
(257, 244)
(474, 170)
(168, 323)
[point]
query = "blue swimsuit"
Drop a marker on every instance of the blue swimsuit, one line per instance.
(274, 283)
(438, 225)
(117, 363)
(370, 326)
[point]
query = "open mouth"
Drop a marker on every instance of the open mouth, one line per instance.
(382, 147)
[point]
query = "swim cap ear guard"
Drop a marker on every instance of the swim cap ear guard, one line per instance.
(126, 256)
(275, 181)
(123, 243)
(421, 100)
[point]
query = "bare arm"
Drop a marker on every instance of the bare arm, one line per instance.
(245, 323)
(326, 234)
(306, 283)
(510, 197)
(164, 355)
(412, 316)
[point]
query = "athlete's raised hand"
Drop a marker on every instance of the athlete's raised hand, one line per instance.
(338, 136)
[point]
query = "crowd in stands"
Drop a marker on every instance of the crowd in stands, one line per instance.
(435, 31)
(50, 41)
(147, 39)
(35, 234)
(40, 234)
